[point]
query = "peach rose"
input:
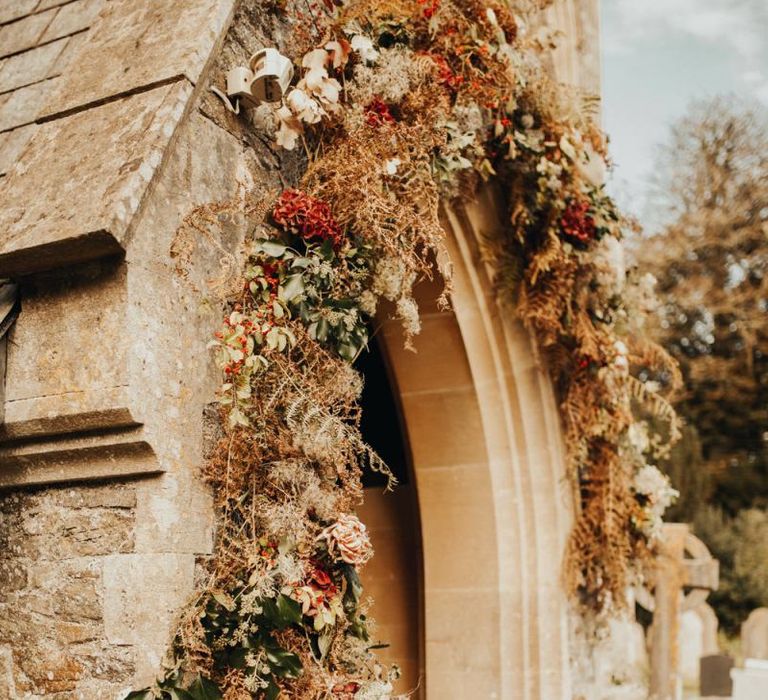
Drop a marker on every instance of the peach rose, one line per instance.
(348, 540)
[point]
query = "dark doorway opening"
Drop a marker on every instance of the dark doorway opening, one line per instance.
(380, 422)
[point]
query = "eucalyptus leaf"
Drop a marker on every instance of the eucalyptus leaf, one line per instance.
(271, 248)
(293, 287)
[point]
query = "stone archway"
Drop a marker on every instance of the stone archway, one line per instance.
(494, 504)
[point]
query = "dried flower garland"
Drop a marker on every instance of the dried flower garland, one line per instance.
(402, 104)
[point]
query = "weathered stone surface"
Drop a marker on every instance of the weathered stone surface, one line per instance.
(31, 66)
(128, 620)
(92, 298)
(12, 144)
(67, 207)
(205, 165)
(23, 104)
(7, 685)
(45, 4)
(13, 9)
(754, 635)
(70, 387)
(24, 33)
(71, 18)
(51, 592)
(133, 45)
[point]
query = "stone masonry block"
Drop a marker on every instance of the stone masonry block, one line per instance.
(31, 66)
(135, 44)
(82, 178)
(12, 145)
(133, 618)
(25, 33)
(13, 9)
(23, 104)
(72, 18)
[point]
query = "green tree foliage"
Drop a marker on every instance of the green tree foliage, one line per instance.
(740, 544)
(711, 262)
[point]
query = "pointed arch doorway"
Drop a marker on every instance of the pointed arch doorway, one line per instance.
(483, 613)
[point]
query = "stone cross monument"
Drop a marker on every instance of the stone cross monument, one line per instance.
(685, 574)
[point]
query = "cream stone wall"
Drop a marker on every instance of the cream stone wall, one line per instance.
(108, 137)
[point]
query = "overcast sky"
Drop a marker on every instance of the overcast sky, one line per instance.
(658, 55)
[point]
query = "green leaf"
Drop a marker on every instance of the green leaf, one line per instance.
(236, 658)
(204, 689)
(289, 610)
(179, 694)
(348, 351)
(283, 663)
(273, 691)
(271, 248)
(293, 287)
(322, 329)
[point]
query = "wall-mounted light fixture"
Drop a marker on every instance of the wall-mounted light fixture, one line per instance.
(266, 79)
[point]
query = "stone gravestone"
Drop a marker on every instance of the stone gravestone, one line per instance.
(710, 625)
(715, 675)
(754, 635)
(691, 646)
(698, 638)
(751, 682)
(698, 572)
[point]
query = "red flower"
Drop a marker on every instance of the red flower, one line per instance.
(377, 113)
(432, 6)
(577, 224)
(445, 75)
(271, 274)
(308, 217)
(320, 580)
(346, 691)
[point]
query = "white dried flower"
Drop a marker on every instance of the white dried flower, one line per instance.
(591, 166)
(638, 436)
(304, 107)
(621, 361)
(610, 265)
(655, 486)
(362, 45)
(391, 166)
(339, 53)
(367, 301)
(375, 690)
(290, 129)
(408, 311)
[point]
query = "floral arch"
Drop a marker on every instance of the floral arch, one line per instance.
(396, 119)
